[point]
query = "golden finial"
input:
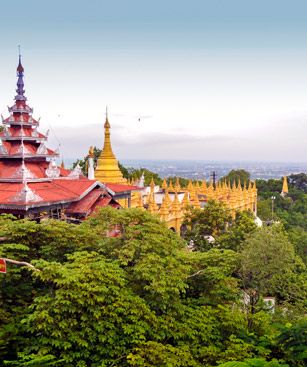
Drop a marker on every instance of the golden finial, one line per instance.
(62, 165)
(107, 124)
(91, 152)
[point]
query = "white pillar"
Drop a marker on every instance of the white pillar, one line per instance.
(91, 172)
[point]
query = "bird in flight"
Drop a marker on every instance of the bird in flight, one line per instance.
(141, 118)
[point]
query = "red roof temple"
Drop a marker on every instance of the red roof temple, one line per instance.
(31, 183)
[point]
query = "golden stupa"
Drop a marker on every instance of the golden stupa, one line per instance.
(107, 170)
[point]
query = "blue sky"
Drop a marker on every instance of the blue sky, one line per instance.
(215, 79)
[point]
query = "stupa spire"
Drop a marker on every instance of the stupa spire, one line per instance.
(107, 148)
(107, 169)
(285, 189)
(20, 83)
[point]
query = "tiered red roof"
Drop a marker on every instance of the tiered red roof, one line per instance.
(30, 181)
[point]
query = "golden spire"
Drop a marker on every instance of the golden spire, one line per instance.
(197, 187)
(152, 185)
(204, 186)
(152, 205)
(164, 184)
(170, 186)
(62, 165)
(185, 201)
(176, 204)
(140, 201)
(190, 186)
(168, 200)
(195, 202)
(177, 185)
(285, 189)
(107, 169)
(164, 211)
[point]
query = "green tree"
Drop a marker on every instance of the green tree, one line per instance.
(255, 362)
(292, 343)
(269, 266)
(237, 231)
(215, 220)
(210, 221)
(237, 175)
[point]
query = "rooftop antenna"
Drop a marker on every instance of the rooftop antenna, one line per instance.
(213, 175)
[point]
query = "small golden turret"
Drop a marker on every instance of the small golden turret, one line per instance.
(140, 201)
(176, 204)
(204, 187)
(164, 210)
(171, 187)
(190, 186)
(195, 201)
(152, 205)
(177, 185)
(164, 184)
(152, 185)
(185, 201)
(285, 189)
(168, 200)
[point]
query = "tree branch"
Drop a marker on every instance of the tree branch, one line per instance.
(194, 275)
(21, 263)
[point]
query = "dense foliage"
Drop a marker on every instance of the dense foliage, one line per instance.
(144, 298)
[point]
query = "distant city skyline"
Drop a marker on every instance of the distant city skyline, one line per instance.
(224, 80)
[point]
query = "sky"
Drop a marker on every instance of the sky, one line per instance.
(211, 80)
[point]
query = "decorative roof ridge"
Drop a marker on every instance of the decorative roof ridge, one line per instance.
(26, 195)
(23, 172)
